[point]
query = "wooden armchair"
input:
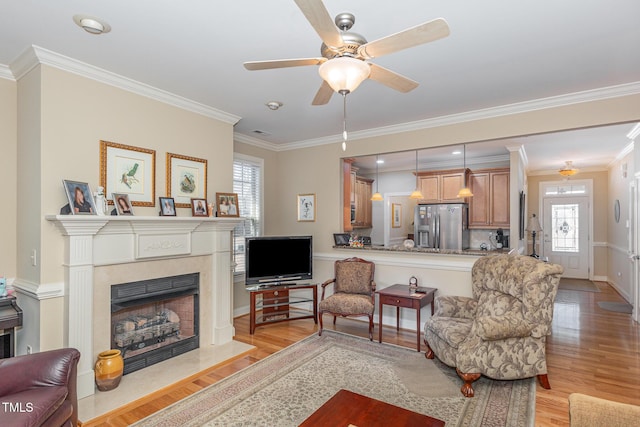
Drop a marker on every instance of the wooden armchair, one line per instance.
(353, 292)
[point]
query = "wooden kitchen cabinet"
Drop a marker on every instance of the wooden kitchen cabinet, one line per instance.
(363, 203)
(489, 206)
(441, 186)
(357, 197)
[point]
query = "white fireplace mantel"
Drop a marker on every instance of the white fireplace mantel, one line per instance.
(92, 241)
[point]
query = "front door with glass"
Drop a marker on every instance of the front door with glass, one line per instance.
(566, 234)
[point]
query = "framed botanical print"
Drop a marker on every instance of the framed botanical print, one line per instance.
(227, 204)
(306, 207)
(186, 179)
(128, 170)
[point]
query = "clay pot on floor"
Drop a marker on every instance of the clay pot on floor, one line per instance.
(108, 369)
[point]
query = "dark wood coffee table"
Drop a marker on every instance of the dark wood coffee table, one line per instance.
(347, 408)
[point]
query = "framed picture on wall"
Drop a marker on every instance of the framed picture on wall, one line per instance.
(128, 170)
(306, 207)
(186, 179)
(396, 215)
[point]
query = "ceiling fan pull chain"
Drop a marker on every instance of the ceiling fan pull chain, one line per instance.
(344, 121)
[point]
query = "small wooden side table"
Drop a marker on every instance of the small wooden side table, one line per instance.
(403, 296)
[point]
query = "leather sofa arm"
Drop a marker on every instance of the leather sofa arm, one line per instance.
(455, 306)
(47, 368)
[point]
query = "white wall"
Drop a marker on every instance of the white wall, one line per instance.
(619, 267)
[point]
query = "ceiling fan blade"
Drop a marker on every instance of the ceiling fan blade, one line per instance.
(391, 79)
(321, 21)
(420, 34)
(324, 94)
(282, 63)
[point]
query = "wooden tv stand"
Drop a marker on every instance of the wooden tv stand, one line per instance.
(280, 303)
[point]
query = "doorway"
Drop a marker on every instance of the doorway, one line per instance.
(566, 227)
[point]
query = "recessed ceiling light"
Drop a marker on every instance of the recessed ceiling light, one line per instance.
(274, 105)
(456, 152)
(380, 161)
(91, 25)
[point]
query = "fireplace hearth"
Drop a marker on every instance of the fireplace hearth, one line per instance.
(154, 320)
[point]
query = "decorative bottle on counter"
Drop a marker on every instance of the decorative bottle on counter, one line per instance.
(109, 368)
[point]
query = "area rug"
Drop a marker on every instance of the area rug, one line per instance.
(585, 285)
(285, 388)
(618, 307)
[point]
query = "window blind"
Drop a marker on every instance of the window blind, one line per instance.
(247, 184)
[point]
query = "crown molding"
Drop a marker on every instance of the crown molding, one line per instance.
(35, 55)
(256, 142)
(5, 73)
(483, 114)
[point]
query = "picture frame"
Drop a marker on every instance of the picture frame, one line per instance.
(199, 207)
(167, 206)
(396, 215)
(227, 205)
(186, 179)
(341, 239)
(80, 197)
(129, 170)
(122, 204)
(306, 207)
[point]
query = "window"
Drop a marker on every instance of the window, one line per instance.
(565, 222)
(565, 189)
(248, 185)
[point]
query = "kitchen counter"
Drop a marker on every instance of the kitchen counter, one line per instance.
(402, 249)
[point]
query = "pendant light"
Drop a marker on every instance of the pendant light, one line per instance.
(377, 197)
(417, 194)
(464, 191)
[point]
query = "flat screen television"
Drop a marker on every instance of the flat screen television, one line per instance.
(273, 260)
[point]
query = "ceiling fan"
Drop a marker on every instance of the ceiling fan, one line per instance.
(344, 49)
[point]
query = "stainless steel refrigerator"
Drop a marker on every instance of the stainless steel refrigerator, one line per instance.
(442, 226)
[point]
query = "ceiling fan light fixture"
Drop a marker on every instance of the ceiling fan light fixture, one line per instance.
(344, 73)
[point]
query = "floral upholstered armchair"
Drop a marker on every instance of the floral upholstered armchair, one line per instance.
(500, 332)
(353, 291)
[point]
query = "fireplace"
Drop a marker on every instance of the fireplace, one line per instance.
(154, 320)
(100, 251)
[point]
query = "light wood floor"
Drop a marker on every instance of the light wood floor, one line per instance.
(591, 351)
